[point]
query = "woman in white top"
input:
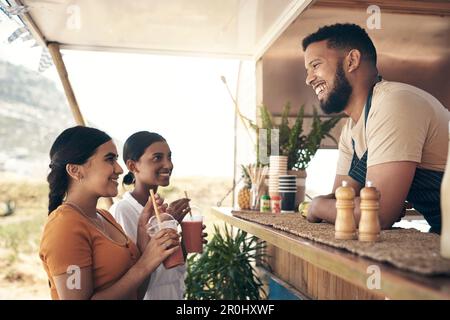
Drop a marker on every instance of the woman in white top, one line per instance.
(148, 159)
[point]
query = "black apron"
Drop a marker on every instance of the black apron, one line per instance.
(424, 193)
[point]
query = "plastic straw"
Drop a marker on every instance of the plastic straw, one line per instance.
(152, 195)
(186, 195)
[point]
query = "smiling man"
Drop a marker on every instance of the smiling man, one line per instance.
(396, 135)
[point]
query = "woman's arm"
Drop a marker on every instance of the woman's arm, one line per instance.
(142, 235)
(79, 285)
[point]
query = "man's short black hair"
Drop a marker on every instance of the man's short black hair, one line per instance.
(345, 36)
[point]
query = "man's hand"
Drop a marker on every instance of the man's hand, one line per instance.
(311, 217)
(314, 207)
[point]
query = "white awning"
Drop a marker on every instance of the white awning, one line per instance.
(241, 29)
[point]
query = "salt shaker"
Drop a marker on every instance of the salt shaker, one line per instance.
(345, 227)
(369, 223)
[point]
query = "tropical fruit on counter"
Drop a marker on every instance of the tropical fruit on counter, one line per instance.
(303, 208)
(244, 194)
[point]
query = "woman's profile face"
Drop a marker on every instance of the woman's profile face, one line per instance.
(155, 166)
(101, 171)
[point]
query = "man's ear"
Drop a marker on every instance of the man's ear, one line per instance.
(74, 171)
(131, 166)
(353, 60)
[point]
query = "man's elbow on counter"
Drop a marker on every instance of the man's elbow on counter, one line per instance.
(387, 220)
(385, 225)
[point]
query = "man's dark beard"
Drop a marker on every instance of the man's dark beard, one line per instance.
(338, 97)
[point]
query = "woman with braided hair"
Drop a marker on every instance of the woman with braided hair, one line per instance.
(85, 252)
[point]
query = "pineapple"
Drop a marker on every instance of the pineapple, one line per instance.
(244, 193)
(303, 208)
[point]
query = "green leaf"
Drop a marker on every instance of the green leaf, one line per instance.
(224, 270)
(297, 146)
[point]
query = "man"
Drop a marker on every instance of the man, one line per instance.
(396, 135)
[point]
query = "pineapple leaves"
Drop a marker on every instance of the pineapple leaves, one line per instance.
(226, 269)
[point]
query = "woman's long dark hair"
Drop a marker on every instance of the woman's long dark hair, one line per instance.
(73, 146)
(135, 147)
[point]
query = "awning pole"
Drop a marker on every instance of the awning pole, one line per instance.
(53, 48)
(235, 133)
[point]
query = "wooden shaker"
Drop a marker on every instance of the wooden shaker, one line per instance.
(345, 226)
(369, 223)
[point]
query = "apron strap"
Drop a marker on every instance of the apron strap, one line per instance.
(367, 108)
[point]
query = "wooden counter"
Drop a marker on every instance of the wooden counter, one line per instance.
(322, 272)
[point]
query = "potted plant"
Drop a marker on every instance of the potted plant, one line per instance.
(298, 146)
(225, 270)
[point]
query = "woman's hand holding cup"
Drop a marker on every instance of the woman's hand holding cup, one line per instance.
(160, 247)
(142, 236)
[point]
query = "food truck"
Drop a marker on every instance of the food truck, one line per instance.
(413, 46)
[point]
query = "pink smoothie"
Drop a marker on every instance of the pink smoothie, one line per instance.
(192, 235)
(175, 259)
(166, 222)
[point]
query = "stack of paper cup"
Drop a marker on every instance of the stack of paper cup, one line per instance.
(288, 189)
(287, 183)
(278, 166)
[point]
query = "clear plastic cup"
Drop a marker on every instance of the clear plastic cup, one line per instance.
(167, 222)
(192, 227)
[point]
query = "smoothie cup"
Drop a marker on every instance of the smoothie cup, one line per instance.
(167, 221)
(192, 227)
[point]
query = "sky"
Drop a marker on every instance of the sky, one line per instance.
(181, 98)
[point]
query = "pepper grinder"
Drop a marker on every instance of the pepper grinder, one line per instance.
(345, 226)
(369, 223)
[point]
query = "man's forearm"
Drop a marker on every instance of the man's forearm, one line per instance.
(322, 209)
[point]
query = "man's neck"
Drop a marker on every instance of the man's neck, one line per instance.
(358, 99)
